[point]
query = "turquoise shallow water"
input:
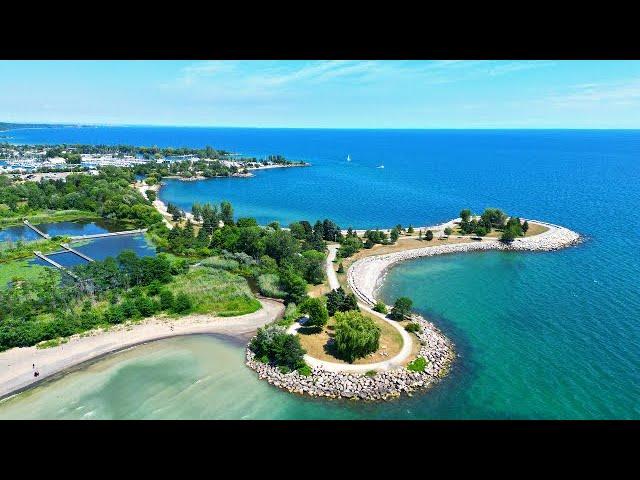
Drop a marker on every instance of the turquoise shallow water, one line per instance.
(540, 335)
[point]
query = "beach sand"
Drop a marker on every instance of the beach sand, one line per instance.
(16, 364)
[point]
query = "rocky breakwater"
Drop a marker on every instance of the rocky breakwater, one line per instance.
(366, 274)
(435, 348)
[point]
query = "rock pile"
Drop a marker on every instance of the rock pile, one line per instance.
(384, 385)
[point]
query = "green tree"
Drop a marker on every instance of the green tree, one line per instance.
(429, 235)
(380, 307)
(448, 231)
(226, 213)
(465, 215)
(182, 303)
(166, 300)
(401, 308)
(356, 335)
(525, 226)
(317, 311)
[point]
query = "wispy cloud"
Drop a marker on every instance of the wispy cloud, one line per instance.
(191, 73)
(587, 94)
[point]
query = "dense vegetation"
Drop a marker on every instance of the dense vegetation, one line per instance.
(107, 194)
(492, 219)
(112, 291)
(282, 262)
(273, 345)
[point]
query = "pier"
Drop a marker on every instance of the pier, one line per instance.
(55, 264)
(37, 230)
(112, 234)
(73, 250)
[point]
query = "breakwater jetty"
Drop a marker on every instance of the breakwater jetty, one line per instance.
(365, 275)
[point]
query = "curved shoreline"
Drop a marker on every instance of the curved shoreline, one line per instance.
(82, 348)
(371, 382)
(365, 276)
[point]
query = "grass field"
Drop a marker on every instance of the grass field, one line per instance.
(216, 292)
(319, 345)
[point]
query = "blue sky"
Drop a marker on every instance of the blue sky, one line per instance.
(326, 94)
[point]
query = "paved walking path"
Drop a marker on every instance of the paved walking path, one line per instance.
(394, 362)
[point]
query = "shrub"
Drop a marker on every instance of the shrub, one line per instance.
(263, 359)
(380, 307)
(305, 371)
(340, 301)
(341, 266)
(356, 335)
(269, 286)
(429, 235)
(129, 309)
(401, 308)
(448, 231)
(291, 314)
(182, 303)
(371, 373)
(166, 299)
(418, 365)
(284, 369)
(317, 311)
(154, 288)
(279, 347)
(114, 314)
(145, 306)
(480, 231)
(412, 327)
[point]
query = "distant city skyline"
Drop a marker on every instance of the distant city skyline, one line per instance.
(324, 94)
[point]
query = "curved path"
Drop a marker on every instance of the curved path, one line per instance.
(364, 275)
(396, 361)
(16, 370)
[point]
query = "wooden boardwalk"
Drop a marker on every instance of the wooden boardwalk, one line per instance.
(73, 250)
(37, 230)
(112, 234)
(55, 264)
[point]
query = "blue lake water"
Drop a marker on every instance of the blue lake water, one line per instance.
(98, 248)
(541, 335)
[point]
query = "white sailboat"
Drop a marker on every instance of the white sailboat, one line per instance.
(380, 166)
(348, 158)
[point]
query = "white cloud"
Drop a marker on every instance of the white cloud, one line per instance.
(612, 93)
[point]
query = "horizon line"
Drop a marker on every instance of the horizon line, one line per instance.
(88, 124)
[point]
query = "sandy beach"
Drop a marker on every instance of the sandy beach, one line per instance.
(16, 364)
(366, 275)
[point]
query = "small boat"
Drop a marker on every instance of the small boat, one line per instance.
(348, 158)
(380, 166)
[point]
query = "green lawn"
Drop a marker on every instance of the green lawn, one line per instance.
(216, 292)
